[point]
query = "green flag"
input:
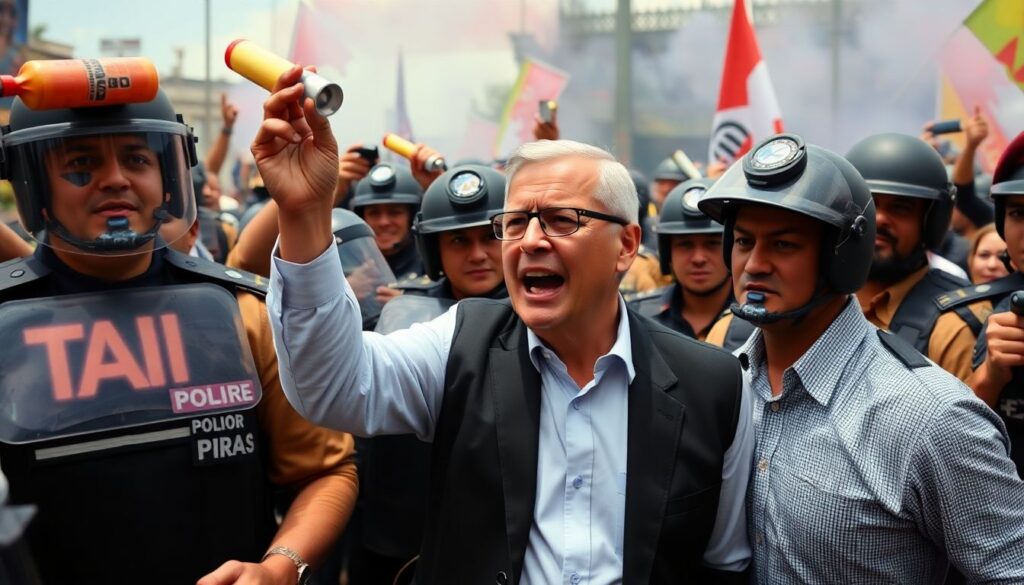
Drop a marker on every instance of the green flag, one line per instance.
(999, 25)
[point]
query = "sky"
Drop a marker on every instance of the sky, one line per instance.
(447, 66)
(165, 26)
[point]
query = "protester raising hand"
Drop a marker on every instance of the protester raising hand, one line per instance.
(297, 156)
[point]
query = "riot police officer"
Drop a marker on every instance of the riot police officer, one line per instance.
(914, 203)
(862, 445)
(143, 415)
(365, 267)
(453, 235)
(461, 255)
(690, 249)
(388, 199)
(667, 176)
(999, 355)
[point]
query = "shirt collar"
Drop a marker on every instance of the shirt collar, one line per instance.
(881, 308)
(821, 367)
(621, 349)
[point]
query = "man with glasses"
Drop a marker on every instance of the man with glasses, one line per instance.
(573, 441)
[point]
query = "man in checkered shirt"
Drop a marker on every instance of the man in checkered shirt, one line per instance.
(872, 465)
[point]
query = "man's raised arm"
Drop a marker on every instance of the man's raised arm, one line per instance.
(330, 371)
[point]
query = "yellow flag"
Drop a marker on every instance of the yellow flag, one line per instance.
(999, 25)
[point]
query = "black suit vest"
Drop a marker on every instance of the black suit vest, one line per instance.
(683, 411)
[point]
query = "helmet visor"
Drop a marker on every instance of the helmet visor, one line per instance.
(365, 269)
(105, 192)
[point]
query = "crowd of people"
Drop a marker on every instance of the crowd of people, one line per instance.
(804, 367)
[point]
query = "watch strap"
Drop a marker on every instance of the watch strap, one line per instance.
(301, 566)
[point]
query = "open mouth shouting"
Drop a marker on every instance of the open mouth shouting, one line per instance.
(541, 284)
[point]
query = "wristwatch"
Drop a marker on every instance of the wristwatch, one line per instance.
(305, 572)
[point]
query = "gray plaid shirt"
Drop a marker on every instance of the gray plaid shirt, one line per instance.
(867, 471)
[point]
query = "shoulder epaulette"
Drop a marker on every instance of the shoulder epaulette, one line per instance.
(970, 294)
(420, 283)
(902, 349)
(21, 271)
(253, 283)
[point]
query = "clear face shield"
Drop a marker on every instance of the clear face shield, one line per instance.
(103, 190)
(365, 269)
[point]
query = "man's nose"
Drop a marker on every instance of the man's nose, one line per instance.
(534, 236)
(757, 262)
(477, 251)
(111, 176)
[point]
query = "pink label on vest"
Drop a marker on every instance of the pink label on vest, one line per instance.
(212, 396)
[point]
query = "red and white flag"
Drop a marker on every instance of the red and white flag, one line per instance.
(747, 109)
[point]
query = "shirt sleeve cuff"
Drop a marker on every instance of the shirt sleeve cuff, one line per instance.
(309, 285)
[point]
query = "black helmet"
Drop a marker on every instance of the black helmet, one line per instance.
(902, 165)
(463, 197)
(668, 170)
(1008, 179)
(784, 173)
(387, 184)
(361, 260)
(680, 216)
(34, 140)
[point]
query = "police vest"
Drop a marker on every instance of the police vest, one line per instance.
(1011, 400)
(916, 316)
(394, 470)
(142, 450)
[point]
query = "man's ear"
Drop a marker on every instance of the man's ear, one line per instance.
(629, 238)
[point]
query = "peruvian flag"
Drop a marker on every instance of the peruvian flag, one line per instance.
(747, 109)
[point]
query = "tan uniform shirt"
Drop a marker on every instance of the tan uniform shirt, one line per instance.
(300, 451)
(717, 334)
(951, 344)
(645, 274)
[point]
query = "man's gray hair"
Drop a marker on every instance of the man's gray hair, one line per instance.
(615, 188)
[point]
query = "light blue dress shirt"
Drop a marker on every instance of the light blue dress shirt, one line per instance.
(872, 472)
(369, 384)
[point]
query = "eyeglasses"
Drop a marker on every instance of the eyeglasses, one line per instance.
(554, 221)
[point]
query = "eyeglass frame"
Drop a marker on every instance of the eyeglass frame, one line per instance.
(580, 213)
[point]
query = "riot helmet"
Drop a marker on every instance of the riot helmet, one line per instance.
(906, 166)
(100, 179)
(1008, 179)
(680, 216)
(387, 184)
(668, 170)
(364, 266)
(784, 173)
(463, 197)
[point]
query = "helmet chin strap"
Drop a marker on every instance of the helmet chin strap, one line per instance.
(755, 312)
(119, 237)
